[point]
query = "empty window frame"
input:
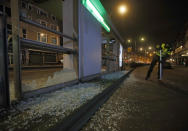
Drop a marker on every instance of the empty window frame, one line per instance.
(29, 6)
(1, 8)
(53, 18)
(9, 29)
(8, 11)
(24, 5)
(42, 13)
(24, 32)
(54, 40)
(38, 11)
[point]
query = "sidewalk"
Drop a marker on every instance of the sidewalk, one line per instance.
(141, 105)
(45, 111)
(177, 78)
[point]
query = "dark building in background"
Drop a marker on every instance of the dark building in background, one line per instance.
(181, 51)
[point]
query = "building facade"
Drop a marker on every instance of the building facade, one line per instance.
(181, 51)
(38, 15)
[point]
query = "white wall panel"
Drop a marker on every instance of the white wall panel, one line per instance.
(90, 44)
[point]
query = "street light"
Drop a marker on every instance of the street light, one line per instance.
(122, 9)
(142, 39)
(141, 49)
(129, 41)
(149, 47)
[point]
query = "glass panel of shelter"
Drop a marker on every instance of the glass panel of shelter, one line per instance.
(39, 67)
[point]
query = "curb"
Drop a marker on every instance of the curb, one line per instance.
(79, 117)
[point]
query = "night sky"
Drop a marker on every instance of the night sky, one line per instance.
(157, 20)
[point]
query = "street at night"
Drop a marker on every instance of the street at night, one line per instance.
(93, 65)
(140, 105)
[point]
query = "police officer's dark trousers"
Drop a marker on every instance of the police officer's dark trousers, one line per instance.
(156, 59)
(153, 63)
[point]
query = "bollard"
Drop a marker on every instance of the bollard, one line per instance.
(160, 65)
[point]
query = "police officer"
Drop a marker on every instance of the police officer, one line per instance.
(165, 52)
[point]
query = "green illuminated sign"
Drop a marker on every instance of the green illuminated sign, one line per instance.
(97, 10)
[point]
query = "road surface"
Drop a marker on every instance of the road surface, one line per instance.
(140, 105)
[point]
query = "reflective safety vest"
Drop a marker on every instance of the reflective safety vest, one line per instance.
(164, 51)
(158, 53)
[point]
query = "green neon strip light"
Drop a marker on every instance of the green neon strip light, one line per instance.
(97, 10)
(98, 5)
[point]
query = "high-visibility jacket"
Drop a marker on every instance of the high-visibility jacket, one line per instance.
(164, 50)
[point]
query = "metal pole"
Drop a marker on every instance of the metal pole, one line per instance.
(160, 65)
(75, 35)
(135, 52)
(4, 82)
(16, 47)
(135, 46)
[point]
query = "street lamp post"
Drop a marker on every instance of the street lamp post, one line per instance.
(135, 46)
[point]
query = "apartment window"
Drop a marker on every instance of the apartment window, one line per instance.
(24, 33)
(43, 13)
(9, 29)
(24, 5)
(42, 37)
(29, 7)
(42, 22)
(1, 8)
(53, 18)
(54, 40)
(8, 11)
(53, 27)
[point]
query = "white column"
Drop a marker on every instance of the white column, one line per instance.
(68, 29)
(90, 43)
